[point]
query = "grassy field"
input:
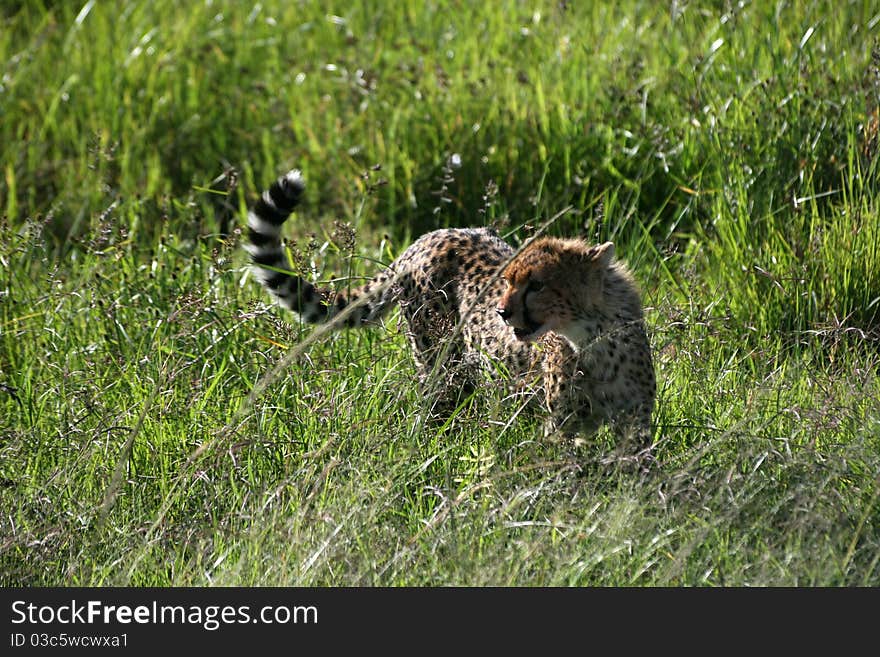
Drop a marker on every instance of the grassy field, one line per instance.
(162, 424)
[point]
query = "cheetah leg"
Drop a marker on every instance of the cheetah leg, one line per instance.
(634, 434)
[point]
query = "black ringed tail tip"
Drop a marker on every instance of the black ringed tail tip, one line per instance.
(285, 192)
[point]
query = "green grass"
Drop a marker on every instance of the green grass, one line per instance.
(147, 434)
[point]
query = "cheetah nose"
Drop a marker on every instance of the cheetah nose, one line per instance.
(503, 312)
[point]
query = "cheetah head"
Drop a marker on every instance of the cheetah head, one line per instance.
(553, 284)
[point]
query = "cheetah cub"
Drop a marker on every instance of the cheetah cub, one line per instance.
(560, 313)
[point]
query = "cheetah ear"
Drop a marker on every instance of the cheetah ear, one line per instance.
(603, 254)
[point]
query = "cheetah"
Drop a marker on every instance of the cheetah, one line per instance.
(560, 312)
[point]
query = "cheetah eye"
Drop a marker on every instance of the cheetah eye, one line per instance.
(534, 286)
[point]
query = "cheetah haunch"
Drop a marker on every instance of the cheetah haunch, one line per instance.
(560, 312)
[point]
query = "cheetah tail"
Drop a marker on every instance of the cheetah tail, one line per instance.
(272, 267)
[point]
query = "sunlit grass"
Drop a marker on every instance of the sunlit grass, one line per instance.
(729, 153)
